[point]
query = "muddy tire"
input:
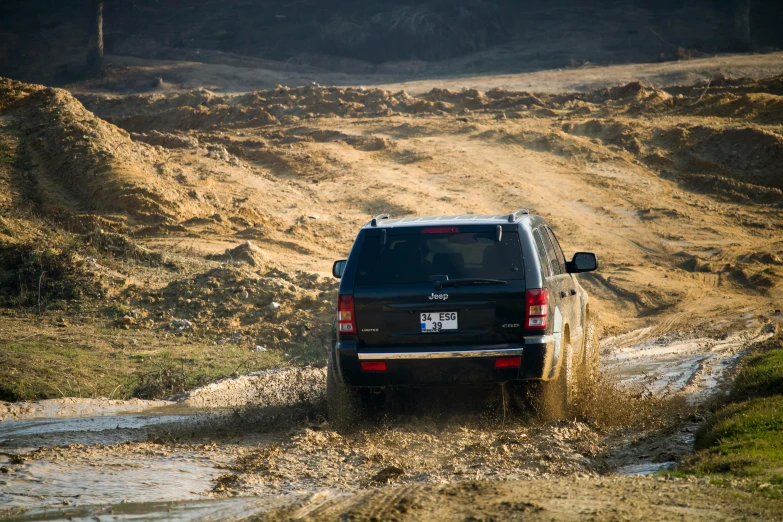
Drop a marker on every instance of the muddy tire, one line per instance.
(550, 399)
(343, 402)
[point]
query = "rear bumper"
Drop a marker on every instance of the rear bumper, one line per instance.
(444, 365)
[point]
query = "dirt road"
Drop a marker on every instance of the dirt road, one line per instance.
(677, 190)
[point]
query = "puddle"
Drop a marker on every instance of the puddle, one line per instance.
(201, 510)
(645, 468)
(17, 429)
(73, 407)
(694, 366)
(102, 429)
(39, 484)
(85, 480)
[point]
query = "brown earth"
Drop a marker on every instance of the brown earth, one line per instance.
(213, 219)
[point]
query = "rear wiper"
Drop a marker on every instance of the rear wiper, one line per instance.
(469, 281)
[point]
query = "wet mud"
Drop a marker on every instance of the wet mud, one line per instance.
(281, 446)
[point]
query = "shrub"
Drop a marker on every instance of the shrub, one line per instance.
(43, 270)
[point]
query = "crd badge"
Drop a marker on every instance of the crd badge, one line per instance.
(441, 297)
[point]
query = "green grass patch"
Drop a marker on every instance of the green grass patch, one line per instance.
(761, 377)
(152, 368)
(744, 439)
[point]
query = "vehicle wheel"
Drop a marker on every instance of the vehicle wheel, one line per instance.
(550, 399)
(343, 402)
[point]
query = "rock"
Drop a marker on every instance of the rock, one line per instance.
(260, 348)
(180, 325)
(387, 475)
(166, 140)
(274, 306)
(245, 294)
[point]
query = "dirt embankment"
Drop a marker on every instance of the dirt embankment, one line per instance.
(78, 163)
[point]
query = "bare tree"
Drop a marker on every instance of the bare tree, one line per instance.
(95, 46)
(742, 21)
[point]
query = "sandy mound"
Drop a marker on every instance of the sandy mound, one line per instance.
(278, 387)
(246, 253)
(759, 107)
(80, 163)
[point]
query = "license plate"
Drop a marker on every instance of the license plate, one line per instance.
(437, 321)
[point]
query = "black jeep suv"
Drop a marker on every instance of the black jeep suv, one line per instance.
(458, 300)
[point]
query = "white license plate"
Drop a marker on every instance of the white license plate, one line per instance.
(437, 321)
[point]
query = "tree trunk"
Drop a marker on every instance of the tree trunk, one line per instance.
(95, 46)
(742, 22)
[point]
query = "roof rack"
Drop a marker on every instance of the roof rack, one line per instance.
(374, 222)
(515, 215)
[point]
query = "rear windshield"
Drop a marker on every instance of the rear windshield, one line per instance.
(419, 258)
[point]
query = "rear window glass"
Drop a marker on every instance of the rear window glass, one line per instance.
(418, 258)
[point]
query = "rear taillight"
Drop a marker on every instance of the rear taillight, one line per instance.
(536, 308)
(346, 319)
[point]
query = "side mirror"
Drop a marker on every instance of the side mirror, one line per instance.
(582, 262)
(339, 267)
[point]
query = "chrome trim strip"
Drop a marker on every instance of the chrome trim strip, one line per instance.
(452, 354)
(539, 339)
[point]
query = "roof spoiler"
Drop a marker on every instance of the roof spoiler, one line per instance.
(516, 214)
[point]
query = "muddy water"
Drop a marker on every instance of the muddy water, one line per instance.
(163, 462)
(81, 479)
(695, 367)
(676, 363)
(201, 510)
